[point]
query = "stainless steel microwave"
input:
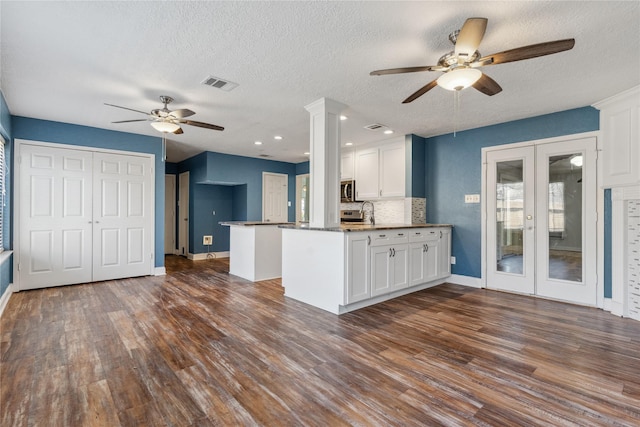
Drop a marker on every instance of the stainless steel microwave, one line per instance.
(348, 191)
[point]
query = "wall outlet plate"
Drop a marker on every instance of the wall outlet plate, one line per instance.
(207, 240)
(472, 198)
(453, 260)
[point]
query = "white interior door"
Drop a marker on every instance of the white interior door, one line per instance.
(541, 226)
(169, 214)
(54, 220)
(566, 221)
(510, 227)
(183, 213)
(122, 206)
(275, 190)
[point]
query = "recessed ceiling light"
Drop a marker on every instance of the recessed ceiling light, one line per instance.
(388, 132)
(258, 142)
(278, 137)
(343, 118)
(306, 153)
(349, 144)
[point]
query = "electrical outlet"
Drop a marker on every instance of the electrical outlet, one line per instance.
(453, 260)
(207, 240)
(472, 198)
(289, 203)
(214, 213)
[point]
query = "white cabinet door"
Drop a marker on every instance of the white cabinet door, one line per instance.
(399, 272)
(424, 261)
(123, 226)
(444, 253)
(392, 168)
(380, 270)
(54, 220)
(347, 165)
(367, 174)
(620, 125)
(358, 267)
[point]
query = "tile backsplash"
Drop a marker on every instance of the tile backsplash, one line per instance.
(411, 210)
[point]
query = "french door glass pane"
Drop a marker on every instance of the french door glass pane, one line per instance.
(510, 216)
(565, 217)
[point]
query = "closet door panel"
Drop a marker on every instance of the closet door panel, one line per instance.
(123, 203)
(54, 220)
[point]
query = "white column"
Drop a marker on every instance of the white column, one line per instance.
(324, 161)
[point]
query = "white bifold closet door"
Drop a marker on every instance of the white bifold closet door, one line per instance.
(83, 216)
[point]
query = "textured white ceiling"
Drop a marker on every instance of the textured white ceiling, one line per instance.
(62, 60)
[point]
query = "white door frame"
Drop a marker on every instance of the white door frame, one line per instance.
(170, 213)
(16, 194)
(183, 214)
(286, 193)
(599, 207)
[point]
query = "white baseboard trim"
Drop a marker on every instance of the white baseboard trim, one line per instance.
(203, 256)
(457, 279)
(4, 299)
(159, 271)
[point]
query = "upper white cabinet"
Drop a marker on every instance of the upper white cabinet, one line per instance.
(347, 165)
(620, 126)
(380, 170)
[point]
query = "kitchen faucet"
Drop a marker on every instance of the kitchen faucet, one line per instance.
(371, 217)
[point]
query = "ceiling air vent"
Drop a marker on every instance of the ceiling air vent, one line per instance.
(219, 83)
(375, 127)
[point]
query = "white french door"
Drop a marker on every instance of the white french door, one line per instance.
(541, 220)
(82, 216)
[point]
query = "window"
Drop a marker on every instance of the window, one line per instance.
(2, 193)
(556, 209)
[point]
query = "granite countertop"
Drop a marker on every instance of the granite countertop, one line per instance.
(361, 227)
(251, 223)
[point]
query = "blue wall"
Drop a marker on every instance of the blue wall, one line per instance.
(302, 168)
(232, 186)
(64, 133)
(453, 169)
(415, 167)
(6, 268)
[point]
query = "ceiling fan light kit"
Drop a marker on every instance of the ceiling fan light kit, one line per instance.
(459, 78)
(165, 127)
(460, 66)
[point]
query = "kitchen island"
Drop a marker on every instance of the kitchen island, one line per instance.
(344, 268)
(255, 249)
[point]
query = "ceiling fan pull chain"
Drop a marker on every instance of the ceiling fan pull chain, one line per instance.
(456, 110)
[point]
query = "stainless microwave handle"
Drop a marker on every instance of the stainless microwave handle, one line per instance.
(344, 193)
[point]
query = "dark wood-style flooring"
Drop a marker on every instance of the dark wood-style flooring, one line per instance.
(200, 347)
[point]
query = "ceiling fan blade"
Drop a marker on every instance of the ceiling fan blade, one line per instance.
(181, 113)
(406, 70)
(201, 125)
(424, 89)
(178, 131)
(125, 108)
(470, 36)
(129, 121)
(487, 85)
(531, 51)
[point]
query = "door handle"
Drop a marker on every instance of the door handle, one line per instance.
(390, 253)
(368, 240)
(394, 251)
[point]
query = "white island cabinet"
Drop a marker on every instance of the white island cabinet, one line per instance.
(343, 269)
(255, 249)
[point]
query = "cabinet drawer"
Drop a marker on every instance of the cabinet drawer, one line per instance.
(389, 237)
(424, 235)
